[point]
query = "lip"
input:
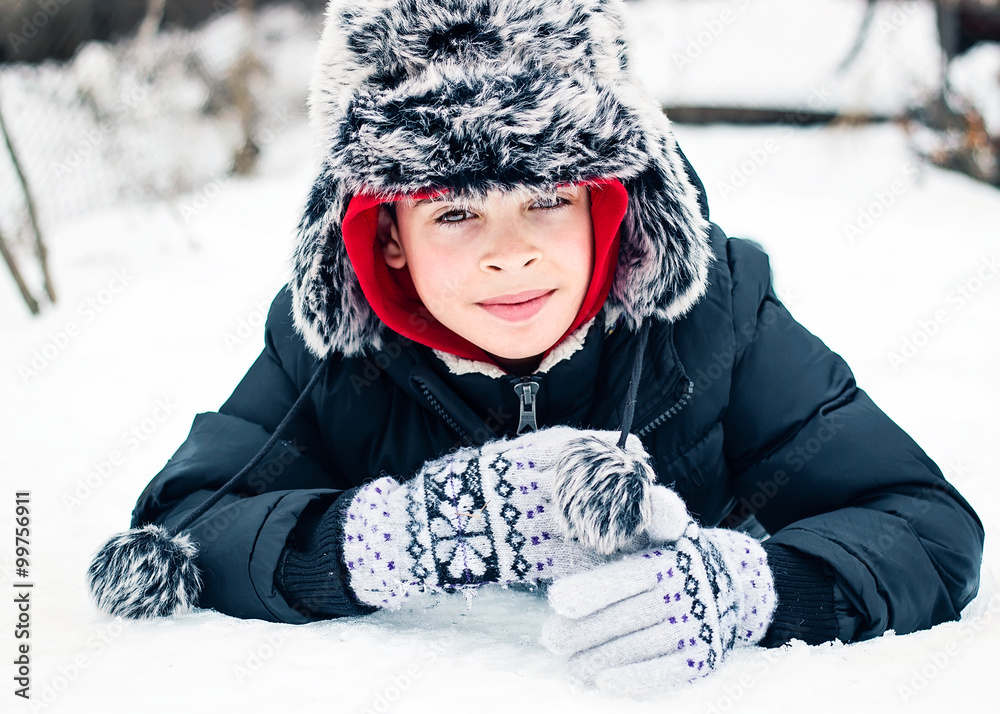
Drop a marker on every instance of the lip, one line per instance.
(517, 307)
(514, 298)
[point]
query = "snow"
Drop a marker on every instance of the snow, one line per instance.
(782, 54)
(161, 312)
(185, 324)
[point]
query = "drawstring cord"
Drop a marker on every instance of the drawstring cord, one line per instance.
(633, 385)
(252, 464)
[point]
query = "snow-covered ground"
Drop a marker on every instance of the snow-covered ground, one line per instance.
(159, 318)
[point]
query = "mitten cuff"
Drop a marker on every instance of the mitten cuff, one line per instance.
(312, 575)
(805, 608)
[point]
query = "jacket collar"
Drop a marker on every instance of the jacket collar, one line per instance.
(586, 389)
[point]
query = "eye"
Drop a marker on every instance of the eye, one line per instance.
(453, 216)
(551, 202)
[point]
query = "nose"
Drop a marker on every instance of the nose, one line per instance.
(510, 248)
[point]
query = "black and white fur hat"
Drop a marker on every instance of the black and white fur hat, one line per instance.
(476, 95)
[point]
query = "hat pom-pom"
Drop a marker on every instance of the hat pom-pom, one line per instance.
(145, 572)
(602, 493)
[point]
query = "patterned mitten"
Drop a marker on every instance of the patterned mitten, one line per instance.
(665, 616)
(533, 508)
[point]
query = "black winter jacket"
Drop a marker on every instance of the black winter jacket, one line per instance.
(743, 411)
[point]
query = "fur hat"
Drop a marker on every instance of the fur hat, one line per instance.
(479, 95)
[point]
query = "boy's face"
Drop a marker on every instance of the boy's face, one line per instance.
(479, 267)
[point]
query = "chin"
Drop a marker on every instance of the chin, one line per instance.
(527, 341)
(535, 348)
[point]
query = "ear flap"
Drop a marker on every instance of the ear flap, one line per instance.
(664, 257)
(328, 306)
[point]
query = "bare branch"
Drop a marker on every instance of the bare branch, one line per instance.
(8, 258)
(40, 250)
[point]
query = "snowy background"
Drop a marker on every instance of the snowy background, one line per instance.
(892, 262)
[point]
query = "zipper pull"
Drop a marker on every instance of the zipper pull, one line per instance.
(526, 390)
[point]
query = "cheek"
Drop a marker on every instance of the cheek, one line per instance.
(438, 274)
(577, 247)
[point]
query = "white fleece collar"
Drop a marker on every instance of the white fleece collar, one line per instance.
(564, 350)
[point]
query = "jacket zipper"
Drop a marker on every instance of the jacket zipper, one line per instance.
(441, 411)
(677, 406)
(527, 392)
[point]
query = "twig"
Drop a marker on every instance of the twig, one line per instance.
(8, 258)
(40, 251)
(859, 39)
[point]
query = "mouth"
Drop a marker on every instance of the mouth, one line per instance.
(515, 298)
(517, 307)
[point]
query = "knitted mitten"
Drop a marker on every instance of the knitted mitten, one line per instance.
(664, 616)
(533, 508)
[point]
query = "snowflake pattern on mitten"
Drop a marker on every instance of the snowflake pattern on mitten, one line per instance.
(463, 552)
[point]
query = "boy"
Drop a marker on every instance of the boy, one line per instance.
(505, 251)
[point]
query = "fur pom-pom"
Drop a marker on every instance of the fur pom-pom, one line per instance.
(602, 493)
(145, 572)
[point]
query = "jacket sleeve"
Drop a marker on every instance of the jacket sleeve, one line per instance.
(241, 539)
(835, 480)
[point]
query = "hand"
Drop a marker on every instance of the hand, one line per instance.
(665, 616)
(533, 508)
